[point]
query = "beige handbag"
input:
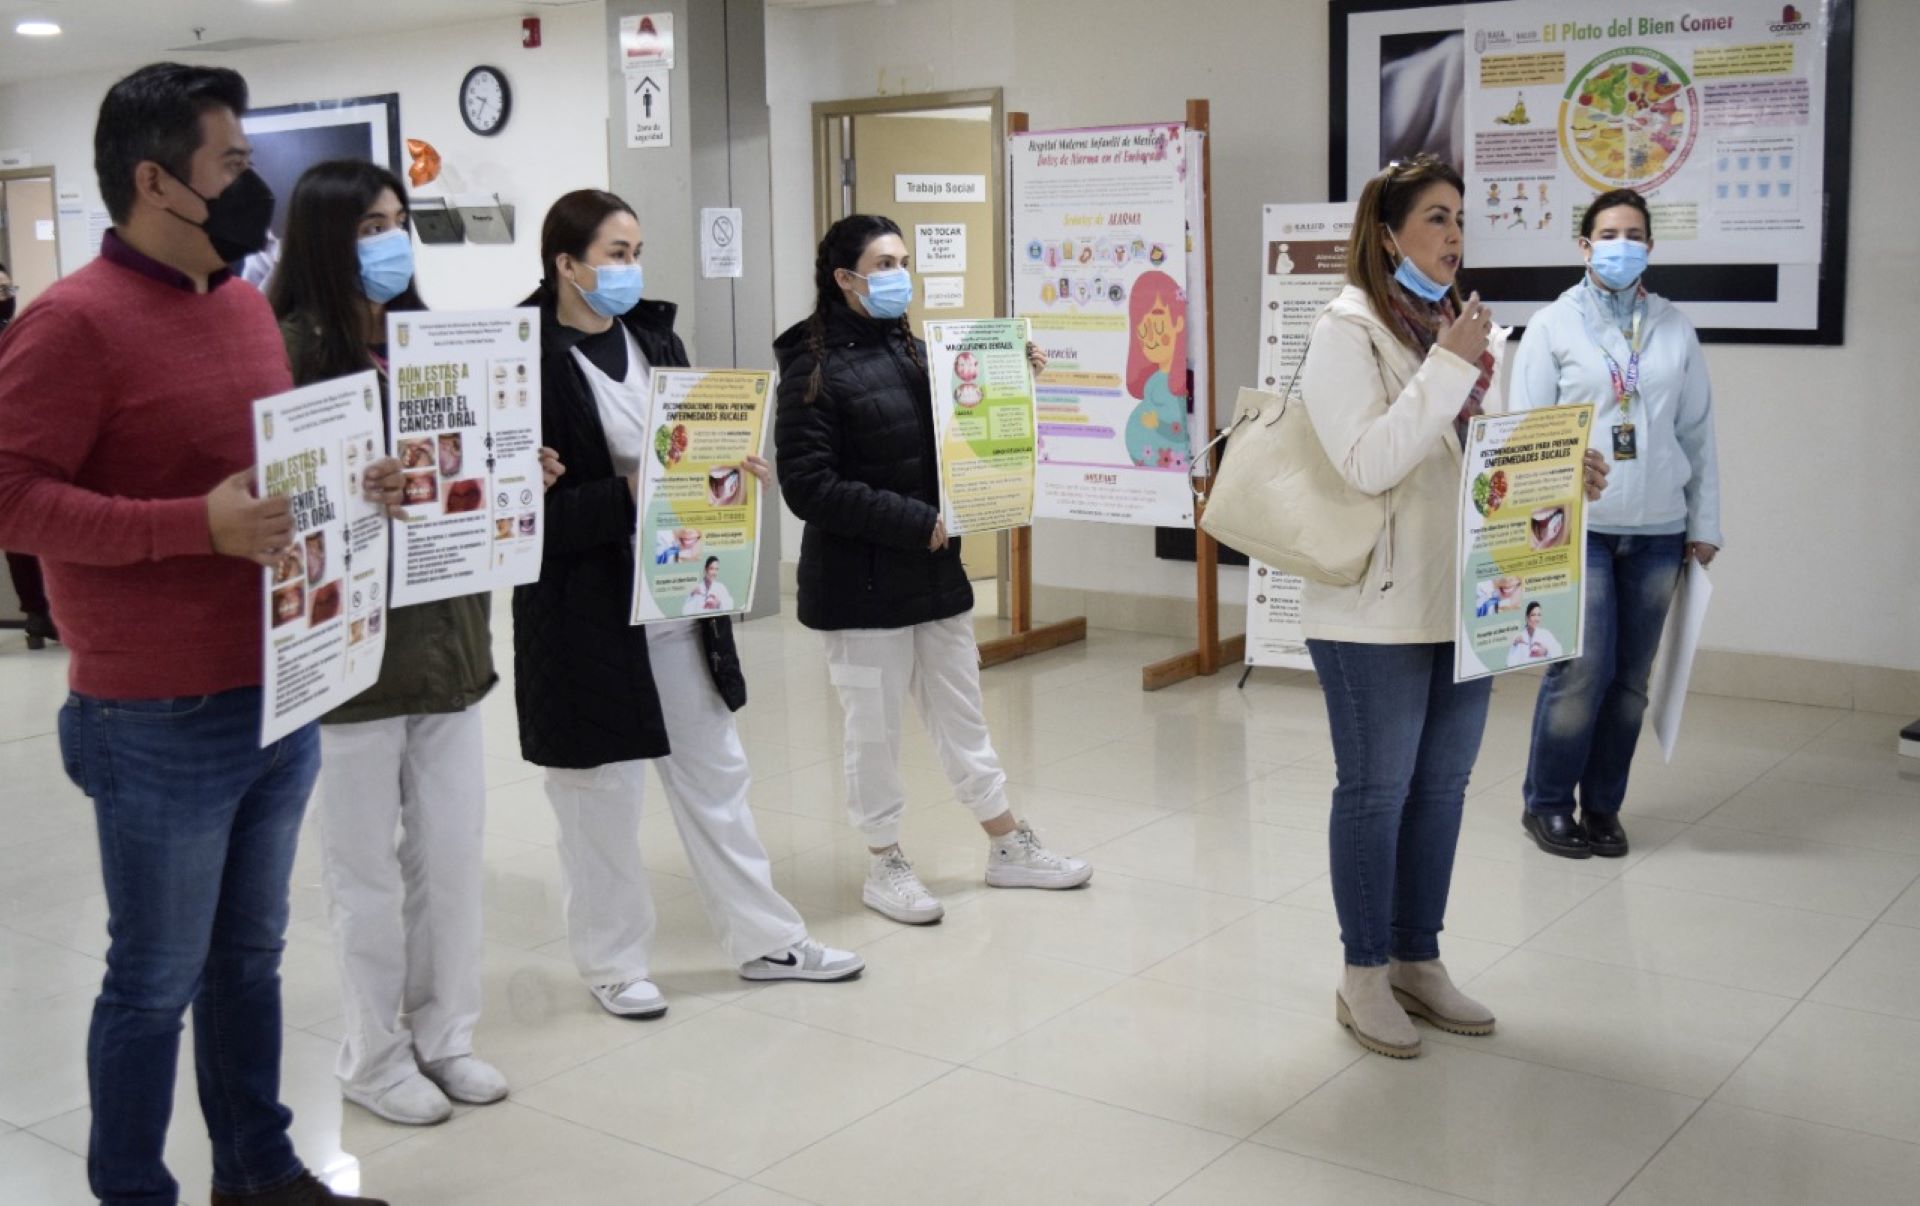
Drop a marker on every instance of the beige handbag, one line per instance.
(1278, 499)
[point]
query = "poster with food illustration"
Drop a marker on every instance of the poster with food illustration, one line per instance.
(324, 599)
(1101, 270)
(984, 419)
(465, 425)
(1523, 541)
(1717, 118)
(697, 540)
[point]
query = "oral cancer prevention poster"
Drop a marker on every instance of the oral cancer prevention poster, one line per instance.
(1712, 112)
(464, 419)
(697, 535)
(983, 414)
(1100, 269)
(1523, 541)
(326, 598)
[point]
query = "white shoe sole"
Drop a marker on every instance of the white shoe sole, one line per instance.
(473, 1099)
(886, 908)
(822, 975)
(1344, 1016)
(999, 876)
(646, 1014)
(366, 1103)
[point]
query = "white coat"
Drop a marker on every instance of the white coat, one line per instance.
(1385, 416)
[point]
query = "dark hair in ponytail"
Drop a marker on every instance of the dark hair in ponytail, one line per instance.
(845, 242)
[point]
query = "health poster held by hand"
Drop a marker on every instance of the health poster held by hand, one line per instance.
(1521, 598)
(697, 541)
(325, 599)
(984, 419)
(464, 420)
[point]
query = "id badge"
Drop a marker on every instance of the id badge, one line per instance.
(1626, 446)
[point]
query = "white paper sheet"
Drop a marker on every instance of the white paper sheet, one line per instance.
(1678, 644)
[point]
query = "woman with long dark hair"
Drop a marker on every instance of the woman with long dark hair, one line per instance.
(403, 783)
(589, 683)
(879, 575)
(1395, 369)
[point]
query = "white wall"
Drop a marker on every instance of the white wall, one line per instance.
(1820, 447)
(555, 140)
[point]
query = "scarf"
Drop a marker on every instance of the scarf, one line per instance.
(1422, 322)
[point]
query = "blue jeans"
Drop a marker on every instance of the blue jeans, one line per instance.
(1405, 737)
(1586, 722)
(197, 828)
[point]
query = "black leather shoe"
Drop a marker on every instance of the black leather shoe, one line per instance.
(309, 1190)
(1604, 835)
(1557, 833)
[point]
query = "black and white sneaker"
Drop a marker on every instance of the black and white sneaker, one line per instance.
(805, 960)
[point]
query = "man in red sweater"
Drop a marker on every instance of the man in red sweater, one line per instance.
(126, 448)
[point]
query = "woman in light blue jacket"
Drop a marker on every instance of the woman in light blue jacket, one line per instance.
(1610, 342)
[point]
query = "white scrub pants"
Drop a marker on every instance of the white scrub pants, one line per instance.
(874, 670)
(610, 914)
(403, 802)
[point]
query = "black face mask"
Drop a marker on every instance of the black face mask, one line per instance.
(238, 219)
(6, 310)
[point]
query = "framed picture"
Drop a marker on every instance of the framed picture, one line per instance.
(1506, 90)
(289, 139)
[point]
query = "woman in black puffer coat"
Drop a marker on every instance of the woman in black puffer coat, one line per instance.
(599, 697)
(878, 574)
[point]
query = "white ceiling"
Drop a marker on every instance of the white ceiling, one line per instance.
(107, 35)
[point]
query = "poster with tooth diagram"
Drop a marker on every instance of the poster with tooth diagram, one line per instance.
(697, 539)
(1716, 115)
(325, 598)
(1100, 269)
(464, 422)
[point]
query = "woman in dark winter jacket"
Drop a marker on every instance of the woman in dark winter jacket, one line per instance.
(879, 575)
(588, 683)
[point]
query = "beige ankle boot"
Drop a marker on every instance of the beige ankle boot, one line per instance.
(1426, 991)
(1365, 1005)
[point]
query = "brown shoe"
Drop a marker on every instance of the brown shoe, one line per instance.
(309, 1190)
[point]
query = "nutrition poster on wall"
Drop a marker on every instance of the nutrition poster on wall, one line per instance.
(697, 540)
(1717, 115)
(464, 419)
(1303, 266)
(1100, 269)
(1523, 541)
(983, 414)
(325, 600)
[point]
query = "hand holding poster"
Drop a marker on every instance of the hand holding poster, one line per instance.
(983, 423)
(464, 417)
(326, 598)
(1523, 541)
(697, 543)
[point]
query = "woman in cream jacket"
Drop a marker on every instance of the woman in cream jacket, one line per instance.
(1395, 369)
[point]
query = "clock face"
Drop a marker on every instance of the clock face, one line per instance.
(485, 100)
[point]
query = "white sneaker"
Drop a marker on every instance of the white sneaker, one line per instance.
(805, 960)
(467, 1078)
(634, 999)
(1018, 860)
(415, 1101)
(893, 890)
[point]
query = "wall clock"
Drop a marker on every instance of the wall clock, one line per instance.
(485, 100)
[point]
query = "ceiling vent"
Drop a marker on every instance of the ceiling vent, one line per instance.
(229, 45)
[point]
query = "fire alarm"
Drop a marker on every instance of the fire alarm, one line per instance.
(529, 33)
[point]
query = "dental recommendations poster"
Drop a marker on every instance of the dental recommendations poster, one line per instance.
(983, 413)
(1715, 113)
(464, 419)
(325, 600)
(1523, 541)
(697, 540)
(1303, 267)
(1100, 269)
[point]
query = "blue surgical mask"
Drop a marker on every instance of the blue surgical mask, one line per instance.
(1412, 279)
(386, 264)
(616, 289)
(1619, 262)
(889, 293)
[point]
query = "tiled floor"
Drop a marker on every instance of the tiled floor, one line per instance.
(1730, 1016)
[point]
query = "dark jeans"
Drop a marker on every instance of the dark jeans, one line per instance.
(1405, 737)
(197, 829)
(1586, 723)
(24, 570)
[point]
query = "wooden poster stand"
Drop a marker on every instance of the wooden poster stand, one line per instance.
(1211, 652)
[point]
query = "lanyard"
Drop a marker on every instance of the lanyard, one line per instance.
(1626, 386)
